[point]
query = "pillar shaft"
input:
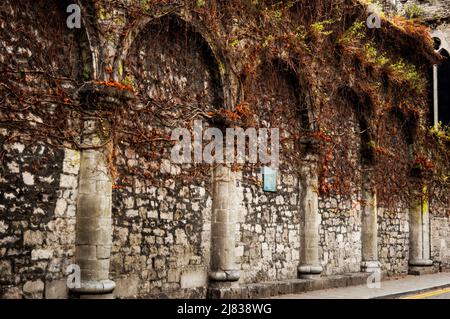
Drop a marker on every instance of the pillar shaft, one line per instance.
(223, 226)
(93, 222)
(419, 234)
(369, 236)
(309, 232)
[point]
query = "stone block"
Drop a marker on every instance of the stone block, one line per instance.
(41, 254)
(193, 278)
(56, 289)
(127, 287)
(33, 238)
(33, 289)
(12, 293)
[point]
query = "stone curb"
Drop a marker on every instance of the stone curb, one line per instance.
(286, 287)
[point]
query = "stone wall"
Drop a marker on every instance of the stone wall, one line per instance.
(161, 238)
(37, 209)
(162, 225)
(393, 240)
(269, 239)
(440, 241)
(340, 235)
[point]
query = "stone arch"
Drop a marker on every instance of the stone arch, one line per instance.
(182, 42)
(90, 28)
(55, 44)
(185, 24)
(440, 41)
(270, 251)
(176, 75)
(281, 88)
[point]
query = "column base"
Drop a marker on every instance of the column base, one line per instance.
(95, 288)
(225, 275)
(309, 271)
(370, 266)
(420, 267)
(102, 296)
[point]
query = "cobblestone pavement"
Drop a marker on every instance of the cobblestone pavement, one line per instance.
(411, 285)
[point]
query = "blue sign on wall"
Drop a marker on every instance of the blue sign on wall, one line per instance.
(269, 179)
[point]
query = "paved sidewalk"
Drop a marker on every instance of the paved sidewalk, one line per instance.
(394, 286)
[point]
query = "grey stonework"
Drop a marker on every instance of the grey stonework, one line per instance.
(340, 235)
(393, 240)
(223, 226)
(419, 233)
(309, 220)
(369, 217)
(268, 247)
(94, 224)
(167, 239)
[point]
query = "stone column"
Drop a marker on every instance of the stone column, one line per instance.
(93, 223)
(93, 237)
(309, 209)
(419, 234)
(369, 234)
(224, 270)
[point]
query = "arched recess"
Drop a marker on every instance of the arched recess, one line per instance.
(92, 39)
(362, 108)
(177, 80)
(177, 62)
(443, 87)
(270, 234)
(42, 63)
(38, 31)
(439, 82)
(187, 25)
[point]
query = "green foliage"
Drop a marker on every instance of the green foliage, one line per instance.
(320, 26)
(235, 43)
(355, 32)
(129, 81)
(374, 56)
(441, 132)
(268, 40)
(86, 74)
(278, 14)
(408, 72)
(201, 3)
(413, 11)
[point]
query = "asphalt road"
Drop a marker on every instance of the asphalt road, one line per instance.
(433, 294)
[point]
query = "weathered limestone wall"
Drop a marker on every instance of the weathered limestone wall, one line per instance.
(269, 226)
(269, 231)
(393, 240)
(162, 226)
(37, 225)
(340, 235)
(161, 237)
(38, 183)
(440, 241)
(431, 10)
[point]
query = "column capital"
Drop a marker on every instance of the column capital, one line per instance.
(96, 95)
(311, 147)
